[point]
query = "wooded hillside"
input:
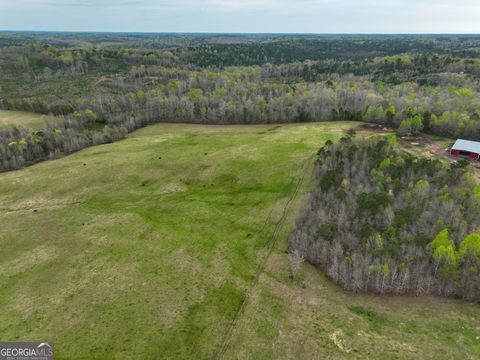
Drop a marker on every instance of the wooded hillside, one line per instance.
(100, 89)
(379, 219)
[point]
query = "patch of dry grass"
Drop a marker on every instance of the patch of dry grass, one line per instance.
(22, 118)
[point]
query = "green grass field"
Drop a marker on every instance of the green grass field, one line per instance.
(25, 119)
(145, 248)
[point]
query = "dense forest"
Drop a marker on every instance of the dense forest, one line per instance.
(99, 87)
(380, 219)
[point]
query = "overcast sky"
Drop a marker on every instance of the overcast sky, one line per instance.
(300, 16)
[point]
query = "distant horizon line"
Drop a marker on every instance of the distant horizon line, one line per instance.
(233, 33)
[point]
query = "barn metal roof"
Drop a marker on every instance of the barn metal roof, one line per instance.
(467, 145)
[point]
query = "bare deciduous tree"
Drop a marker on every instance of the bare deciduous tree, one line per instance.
(296, 260)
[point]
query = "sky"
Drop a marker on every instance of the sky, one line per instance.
(243, 16)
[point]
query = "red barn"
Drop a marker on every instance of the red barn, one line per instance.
(467, 148)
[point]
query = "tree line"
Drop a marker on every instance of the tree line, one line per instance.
(380, 219)
(153, 94)
(101, 93)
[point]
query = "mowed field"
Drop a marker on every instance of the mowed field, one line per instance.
(22, 118)
(157, 247)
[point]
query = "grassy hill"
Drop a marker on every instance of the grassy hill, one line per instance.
(148, 248)
(25, 119)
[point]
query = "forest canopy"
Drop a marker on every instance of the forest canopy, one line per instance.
(99, 87)
(380, 219)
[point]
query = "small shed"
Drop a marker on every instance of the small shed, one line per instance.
(467, 148)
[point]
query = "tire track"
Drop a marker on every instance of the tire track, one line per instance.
(261, 267)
